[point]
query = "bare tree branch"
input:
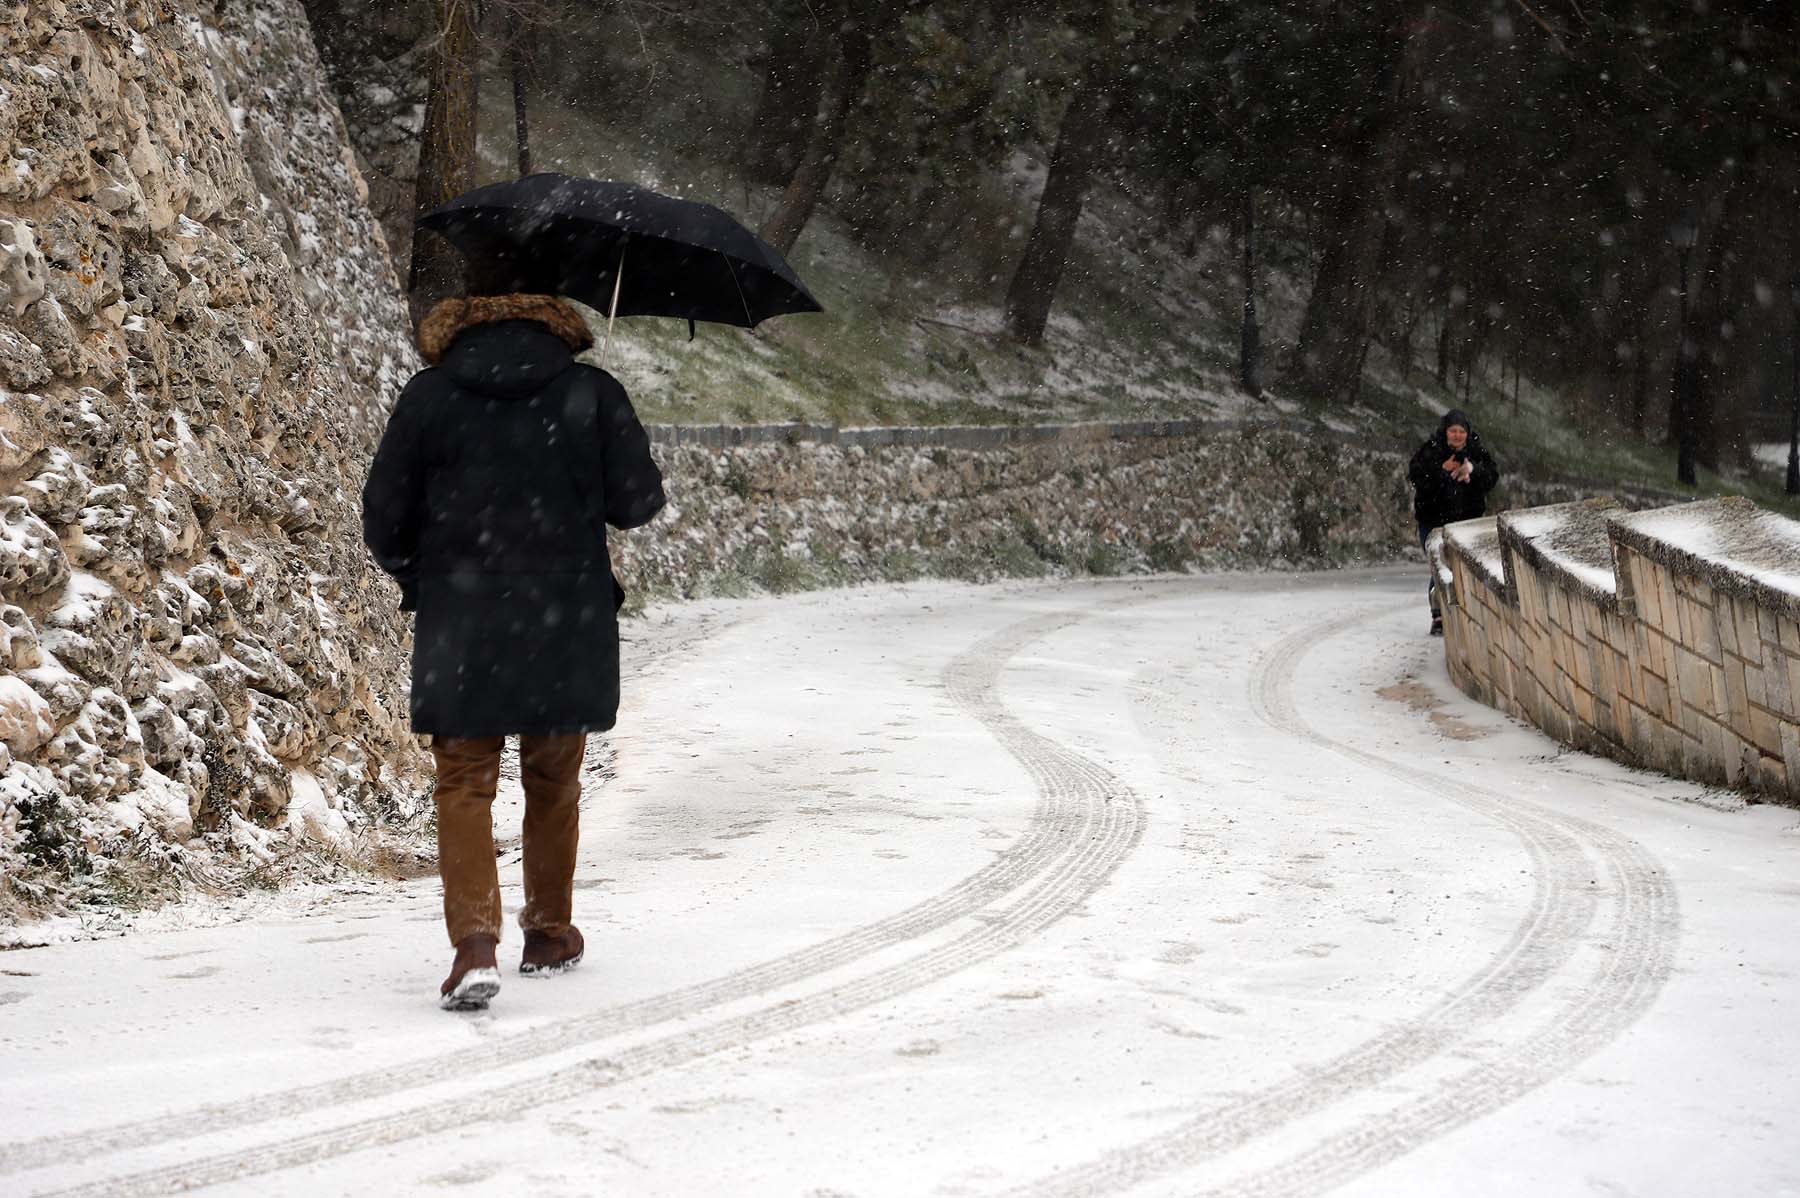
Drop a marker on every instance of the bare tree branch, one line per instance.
(1562, 46)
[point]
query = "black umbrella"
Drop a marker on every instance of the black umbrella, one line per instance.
(622, 249)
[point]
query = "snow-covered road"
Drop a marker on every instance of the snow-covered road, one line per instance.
(1187, 886)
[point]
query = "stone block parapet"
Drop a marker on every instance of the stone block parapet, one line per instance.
(1666, 639)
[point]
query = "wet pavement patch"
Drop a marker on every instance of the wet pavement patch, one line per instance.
(1419, 697)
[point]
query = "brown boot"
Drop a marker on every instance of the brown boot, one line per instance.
(474, 975)
(545, 954)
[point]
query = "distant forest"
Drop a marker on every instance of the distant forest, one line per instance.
(1605, 195)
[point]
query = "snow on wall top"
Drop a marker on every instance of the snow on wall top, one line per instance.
(1734, 545)
(1478, 541)
(1567, 541)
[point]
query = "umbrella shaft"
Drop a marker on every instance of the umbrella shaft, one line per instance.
(613, 312)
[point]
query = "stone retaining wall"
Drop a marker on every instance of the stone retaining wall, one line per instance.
(789, 506)
(1664, 638)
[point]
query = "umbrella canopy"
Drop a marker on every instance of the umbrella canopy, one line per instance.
(583, 238)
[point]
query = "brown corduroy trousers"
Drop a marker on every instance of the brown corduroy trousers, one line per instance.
(468, 773)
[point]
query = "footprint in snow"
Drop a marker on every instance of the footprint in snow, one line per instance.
(466, 1175)
(1179, 952)
(1185, 1033)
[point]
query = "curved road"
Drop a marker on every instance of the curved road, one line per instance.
(1182, 886)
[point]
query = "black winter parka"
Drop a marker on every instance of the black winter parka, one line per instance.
(1439, 499)
(472, 505)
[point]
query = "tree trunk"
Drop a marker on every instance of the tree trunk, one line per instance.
(1474, 345)
(1793, 468)
(1338, 313)
(1445, 324)
(1640, 369)
(1684, 382)
(1250, 343)
(1705, 354)
(1078, 141)
(518, 49)
(446, 150)
(327, 24)
(1684, 404)
(1334, 281)
(793, 84)
(1725, 296)
(1408, 331)
(855, 59)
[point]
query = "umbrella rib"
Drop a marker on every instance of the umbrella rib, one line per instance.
(732, 270)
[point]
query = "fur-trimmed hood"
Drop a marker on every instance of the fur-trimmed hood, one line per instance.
(452, 317)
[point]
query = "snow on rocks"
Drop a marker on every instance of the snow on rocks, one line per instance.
(92, 629)
(22, 270)
(312, 814)
(158, 803)
(25, 720)
(31, 557)
(200, 332)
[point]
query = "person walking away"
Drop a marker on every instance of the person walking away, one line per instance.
(500, 467)
(1451, 475)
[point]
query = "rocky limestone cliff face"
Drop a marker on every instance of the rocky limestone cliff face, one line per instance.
(200, 332)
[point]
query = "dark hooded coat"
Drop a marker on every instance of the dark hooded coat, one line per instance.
(1439, 499)
(474, 506)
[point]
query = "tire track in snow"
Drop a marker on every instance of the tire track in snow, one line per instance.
(1643, 923)
(967, 676)
(671, 651)
(1087, 822)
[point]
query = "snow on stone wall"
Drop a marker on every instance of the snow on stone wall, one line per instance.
(1667, 638)
(199, 334)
